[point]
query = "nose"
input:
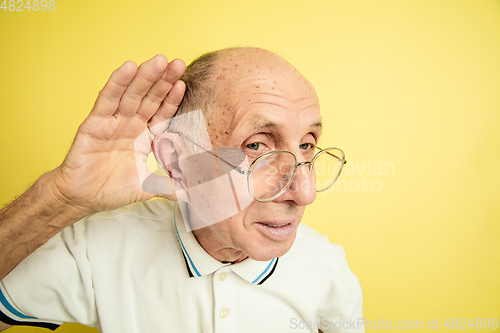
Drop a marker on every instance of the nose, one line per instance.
(301, 190)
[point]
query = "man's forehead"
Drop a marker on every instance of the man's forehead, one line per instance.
(235, 67)
(260, 122)
(256, 90)
(230, 58)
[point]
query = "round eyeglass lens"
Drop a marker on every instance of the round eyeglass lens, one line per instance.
(271, 174)
(327, 167)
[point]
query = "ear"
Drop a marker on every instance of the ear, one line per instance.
(167, 149)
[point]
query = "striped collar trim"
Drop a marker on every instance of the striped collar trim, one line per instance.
(200, 263)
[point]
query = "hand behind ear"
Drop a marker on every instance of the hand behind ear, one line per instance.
(102, 168)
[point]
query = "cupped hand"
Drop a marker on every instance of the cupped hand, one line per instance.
(107, 160)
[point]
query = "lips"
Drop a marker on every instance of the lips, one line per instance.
(276, 225)
(277, 230)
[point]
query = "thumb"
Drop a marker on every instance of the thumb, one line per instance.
(159, 185)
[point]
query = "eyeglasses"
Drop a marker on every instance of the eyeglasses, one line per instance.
(271, 174)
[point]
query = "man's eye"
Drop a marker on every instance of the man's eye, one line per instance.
(306, 146)
(254, 146)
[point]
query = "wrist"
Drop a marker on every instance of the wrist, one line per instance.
(49, 188)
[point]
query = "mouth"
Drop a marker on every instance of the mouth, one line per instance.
(275, 225)
(277, 230)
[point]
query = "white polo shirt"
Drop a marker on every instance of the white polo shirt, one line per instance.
(136, 269)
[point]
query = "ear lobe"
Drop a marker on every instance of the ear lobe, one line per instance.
(166, 149)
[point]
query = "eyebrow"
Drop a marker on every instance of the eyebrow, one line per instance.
(258, 126)
(319, 125)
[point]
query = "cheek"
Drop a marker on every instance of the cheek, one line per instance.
(250, 215)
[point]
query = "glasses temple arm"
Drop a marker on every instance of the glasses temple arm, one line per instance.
(243, 172)
(331, 154)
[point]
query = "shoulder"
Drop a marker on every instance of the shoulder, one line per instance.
(139, 225)
(312, 245)
(156, 213)
(319, 272)
(153, 209)
(313, 258)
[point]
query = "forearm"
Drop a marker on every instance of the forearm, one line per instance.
(3, 326)
(31, 220)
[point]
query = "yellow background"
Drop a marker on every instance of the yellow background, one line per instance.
(410, 89)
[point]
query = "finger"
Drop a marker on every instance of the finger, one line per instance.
(158, 185)
(169, 106)
(147, 74)
(159, 128)
(155, 96)
(175, 70)
(109, 97)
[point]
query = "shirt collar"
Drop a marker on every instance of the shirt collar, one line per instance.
(200, 263)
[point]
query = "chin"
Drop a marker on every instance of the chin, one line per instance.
(264, 242)
(266, 252)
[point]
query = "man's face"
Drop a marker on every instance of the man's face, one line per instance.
(263, 105)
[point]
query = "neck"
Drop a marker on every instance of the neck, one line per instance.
(209, 241)
(212, 242)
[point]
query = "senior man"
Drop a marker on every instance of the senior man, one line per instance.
(141, 268)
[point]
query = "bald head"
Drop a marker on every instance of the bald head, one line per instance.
(253, 75)
(222, 70)
(235, 68)
(247, 60)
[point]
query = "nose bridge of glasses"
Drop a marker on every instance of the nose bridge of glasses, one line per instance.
(297, 177)
(309, 165)
(301, 183)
